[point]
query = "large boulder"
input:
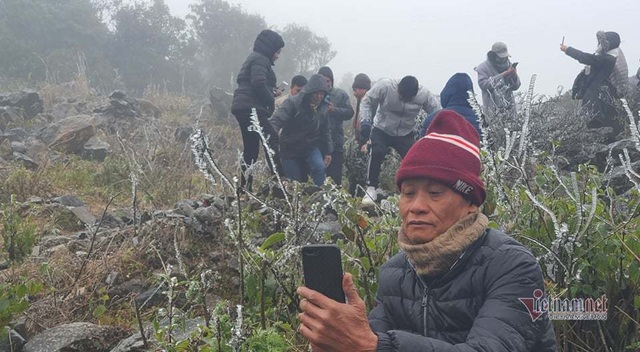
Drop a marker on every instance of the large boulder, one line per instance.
(96, 149)
(70, 134)
(76, 337)
(27, 100)
(220, 102)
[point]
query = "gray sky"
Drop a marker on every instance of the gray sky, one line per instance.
(432, 40)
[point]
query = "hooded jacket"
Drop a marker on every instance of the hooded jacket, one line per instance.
(256, 79)
(301, 127)
(389, 113)
(454, 97)
(475, 306)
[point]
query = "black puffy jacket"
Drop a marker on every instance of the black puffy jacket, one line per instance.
(256, 79)
(301, 127)
(473, 307)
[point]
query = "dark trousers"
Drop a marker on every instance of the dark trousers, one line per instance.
(251, 143)
(380, 143)
(334, 170)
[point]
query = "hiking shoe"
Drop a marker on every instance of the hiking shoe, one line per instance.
(370, 197)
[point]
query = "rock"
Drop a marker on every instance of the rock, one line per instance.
(57, 251)
(147, 109)
(9, 114)
(4, 265)
(83, 215)
(208, 215)
(185, 207)
(62, 110)
(151, 298)
(26, 161)
(18, 147)
(96, 149)
(220, 102)
(72, 138)
(35, 251)
(111, 278)
(182, 134)
(68, 200)
(29, 101)
(35, 200)
(133, 343)
(55, 133)
(76, 337)
(51, 241)
(619, 180)
(64, 218)
(11, 341)
(109, 221)
(75, 246)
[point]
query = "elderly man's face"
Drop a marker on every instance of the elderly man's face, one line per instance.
(428, 208)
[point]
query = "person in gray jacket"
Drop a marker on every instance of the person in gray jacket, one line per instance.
(456, 285)
(498, 79)
(339, 110)
(388, 118)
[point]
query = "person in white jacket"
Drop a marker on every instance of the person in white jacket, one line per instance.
(388, 115)
(498, 79)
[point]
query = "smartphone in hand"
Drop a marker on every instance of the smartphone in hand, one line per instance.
(322, 266)
(514, 65)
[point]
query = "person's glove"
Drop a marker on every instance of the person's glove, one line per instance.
(365, 130)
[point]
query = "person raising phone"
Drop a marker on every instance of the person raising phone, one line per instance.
(456, 285)
(498, 79)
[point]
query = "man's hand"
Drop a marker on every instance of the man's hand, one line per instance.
(331, 107)
(277, 92)
(510, 71)
(563, 47)
(334, 326)
(327, 160)
(365, 148)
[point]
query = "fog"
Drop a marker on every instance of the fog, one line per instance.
(433, 40)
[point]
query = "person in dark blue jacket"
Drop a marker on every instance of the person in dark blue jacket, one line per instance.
(457, 285)
(454, 97)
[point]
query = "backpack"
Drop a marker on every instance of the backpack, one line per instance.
(579, 86)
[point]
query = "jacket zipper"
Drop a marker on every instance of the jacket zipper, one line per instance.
(425, 311)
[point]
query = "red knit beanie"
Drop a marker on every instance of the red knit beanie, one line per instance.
(448, 153)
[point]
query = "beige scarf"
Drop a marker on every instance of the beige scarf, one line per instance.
(434, 258)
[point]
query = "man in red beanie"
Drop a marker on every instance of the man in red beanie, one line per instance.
(456, 284)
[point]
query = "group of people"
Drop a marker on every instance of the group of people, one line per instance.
(456, 284)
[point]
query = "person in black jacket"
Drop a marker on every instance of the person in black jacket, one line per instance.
(457, 285)
(305, 137)
(339, 110)
(597, 84)
(256, 90)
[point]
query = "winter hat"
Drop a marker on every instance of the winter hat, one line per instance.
(326, 71)
(361, 81)
(449, 153)
(500, 49)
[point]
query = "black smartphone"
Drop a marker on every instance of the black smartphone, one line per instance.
(322, 266)
(514, 65)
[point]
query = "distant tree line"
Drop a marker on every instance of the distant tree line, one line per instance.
(137, 45)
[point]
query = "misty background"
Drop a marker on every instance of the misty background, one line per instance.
(189, 46)
(435, 39)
